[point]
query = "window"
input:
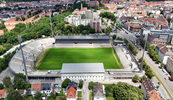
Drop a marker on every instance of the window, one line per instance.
(70, 95)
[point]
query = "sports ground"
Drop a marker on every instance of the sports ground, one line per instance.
(53, 58)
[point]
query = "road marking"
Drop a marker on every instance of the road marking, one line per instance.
(46, 41)
(18, 58)
(29, 47)
(16, 62)
(28, 70)
(28, 65)
(26, 51)
(42, 44)
(30, 59)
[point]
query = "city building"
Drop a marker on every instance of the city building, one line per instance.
(1, 32)
(3, 93)
(147, 86)
(169, 65)
(155, 41)
(98, 92)
(153, 95)
(90, 18)
(164, 52)
(83, 71)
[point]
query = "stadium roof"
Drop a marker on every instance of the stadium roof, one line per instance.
(83, 37)
(82, 68)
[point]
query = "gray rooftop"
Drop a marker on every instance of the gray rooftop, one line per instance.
(83, 37)
(82, 68)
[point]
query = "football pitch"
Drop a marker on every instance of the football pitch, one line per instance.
(52, 59)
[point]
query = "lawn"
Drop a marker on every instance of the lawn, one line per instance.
(79, 94)
(110, 98)
(52, 59)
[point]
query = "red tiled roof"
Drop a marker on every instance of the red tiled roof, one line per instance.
(71, 92)
(153, 95)
(36, 87)
(2, 93)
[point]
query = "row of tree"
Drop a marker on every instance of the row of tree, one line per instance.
(132, 49)
(153, 54)
(137, 79)
(147, 68)
(142, 43)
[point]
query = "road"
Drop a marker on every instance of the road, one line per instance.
(161, 89)
(154, 67)
(85, 95)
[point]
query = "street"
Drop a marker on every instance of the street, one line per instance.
(86, 93)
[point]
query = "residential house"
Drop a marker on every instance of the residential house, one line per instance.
(93, 3)
(147, 86)
(3, 93)
(153, 95)
(35, 87)
(46, 88)
(21, 91)
(42, 87)
(98, 92)
(71, 91)
(1, 32)
(164, 52)
(71, 94)
(169, 65)
(155, 41)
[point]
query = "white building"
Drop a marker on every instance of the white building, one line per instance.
(83, 71)
(164, 52)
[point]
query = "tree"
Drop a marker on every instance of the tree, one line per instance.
(65, 83)
(62, 98)
(135, 78)
(52, 96)
(171, 77)
(5, 30)
(108, 30)
(1, 86)
(90, 86)
(157, 86)
(13, 95)
(126, 41)
(7, 81)
(37, 95)
(80, 83)
(162, 65)
(84, 32)
(114, 36)
(169, 20)
(2, 50)
(19, 81)
(143, 78)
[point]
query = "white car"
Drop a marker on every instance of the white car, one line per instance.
(84, 90)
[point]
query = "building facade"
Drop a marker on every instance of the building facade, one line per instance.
(98, 92)
(164, 52)
(169, 65)
(83, 71)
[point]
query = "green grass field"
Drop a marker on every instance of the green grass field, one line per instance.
(53, 58)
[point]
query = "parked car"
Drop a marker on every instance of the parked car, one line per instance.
(169, 77)
(159, 83)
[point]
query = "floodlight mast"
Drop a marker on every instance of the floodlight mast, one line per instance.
(20, 39)
(51, 23)
(143, 55)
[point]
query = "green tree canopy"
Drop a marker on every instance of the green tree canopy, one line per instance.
(135, 78)
(7, 81)
(19, 81)
(66, 82)
(13, 95)
(80, 83)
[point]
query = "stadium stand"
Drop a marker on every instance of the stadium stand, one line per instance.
(31, 51)
(83, 41)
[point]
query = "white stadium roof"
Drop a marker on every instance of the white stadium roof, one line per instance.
(82, 68)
